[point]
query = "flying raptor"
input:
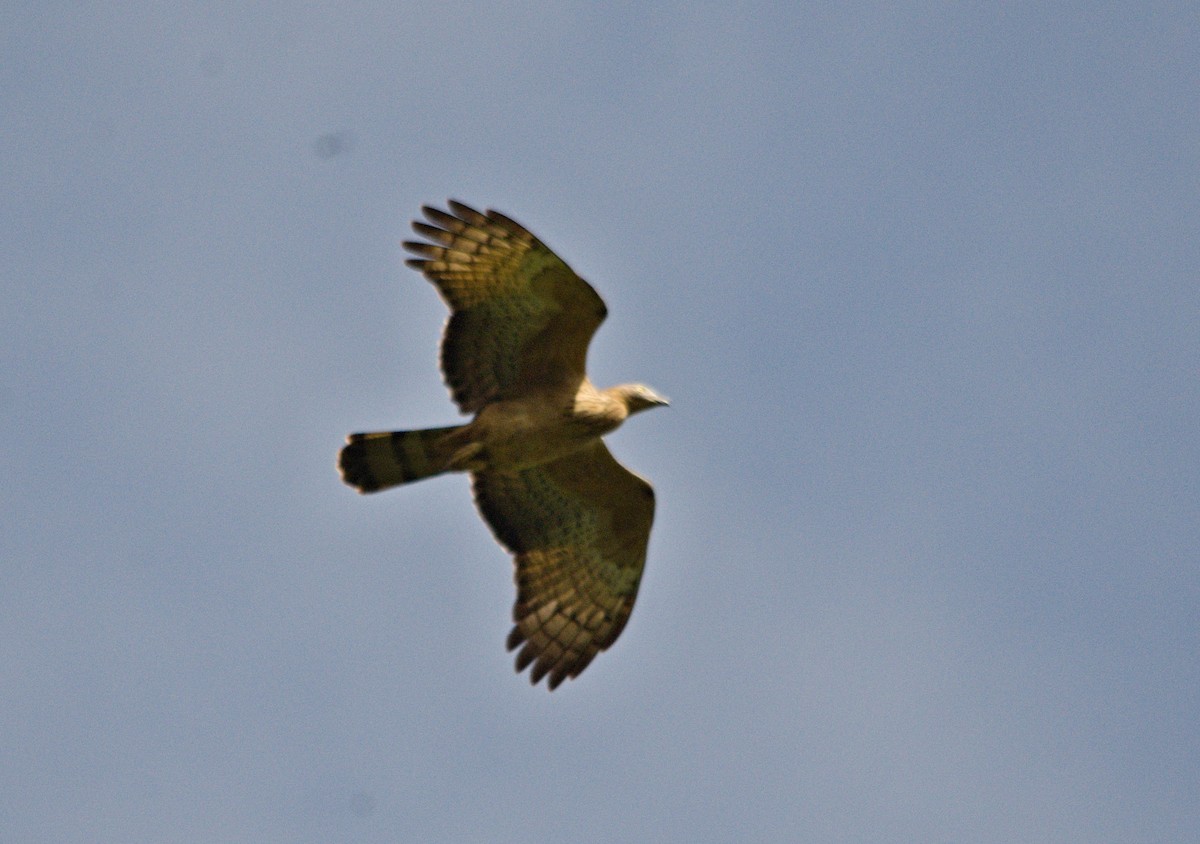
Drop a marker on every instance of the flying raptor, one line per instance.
(514, 355)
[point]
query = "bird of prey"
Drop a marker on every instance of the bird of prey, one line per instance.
(514, 355)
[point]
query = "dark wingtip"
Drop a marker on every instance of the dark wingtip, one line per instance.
(524, 657)
(419, 247)
(426, 230)
(461, 208)
(509, 223)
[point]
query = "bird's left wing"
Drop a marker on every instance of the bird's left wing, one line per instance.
(578, 528)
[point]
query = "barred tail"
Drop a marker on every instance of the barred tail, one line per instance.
(371, 462)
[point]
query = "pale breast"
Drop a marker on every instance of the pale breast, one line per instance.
(521, 434)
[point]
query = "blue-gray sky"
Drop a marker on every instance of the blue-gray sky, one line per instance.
(921, 280)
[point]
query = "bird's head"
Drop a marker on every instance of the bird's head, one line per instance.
(640, 397)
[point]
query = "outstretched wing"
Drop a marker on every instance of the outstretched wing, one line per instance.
(520, 318)
(578, 528)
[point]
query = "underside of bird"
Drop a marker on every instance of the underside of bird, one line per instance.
(576, 521)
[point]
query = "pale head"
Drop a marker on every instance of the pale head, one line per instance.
(639, 397)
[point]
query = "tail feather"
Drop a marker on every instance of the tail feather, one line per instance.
(371, 462)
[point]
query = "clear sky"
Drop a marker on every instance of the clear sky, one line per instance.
(921, 280)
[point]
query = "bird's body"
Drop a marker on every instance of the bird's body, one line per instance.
(520, 433)
(514, 354)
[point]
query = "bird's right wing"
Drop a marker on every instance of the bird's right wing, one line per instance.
(520, 317)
